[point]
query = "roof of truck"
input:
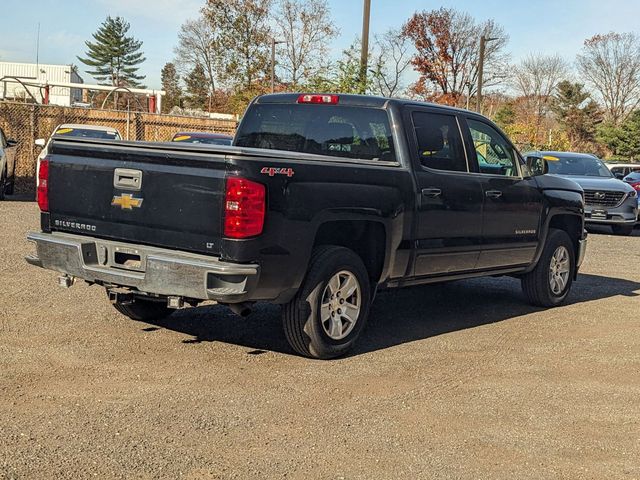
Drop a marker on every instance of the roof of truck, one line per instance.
(87, 127)
(354, 100)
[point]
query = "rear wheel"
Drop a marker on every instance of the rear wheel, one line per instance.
(549, 283)
(622, 229)
(328, 313)
(143, 310)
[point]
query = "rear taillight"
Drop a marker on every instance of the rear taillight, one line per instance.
(326, 99)
(245, 205)
(43, 185)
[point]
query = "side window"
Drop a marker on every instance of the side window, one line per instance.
(439, 142)
(495, 155)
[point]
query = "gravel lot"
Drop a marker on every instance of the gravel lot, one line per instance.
(462, 380)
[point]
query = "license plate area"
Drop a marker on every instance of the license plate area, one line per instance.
(127, 258)
(599, 214)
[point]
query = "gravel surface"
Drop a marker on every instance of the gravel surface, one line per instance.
(455, 381)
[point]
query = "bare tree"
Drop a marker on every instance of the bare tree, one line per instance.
(196, 40)
(535, 79)
(390, 61)
(306, 28)
(446, 43)
(610, 64)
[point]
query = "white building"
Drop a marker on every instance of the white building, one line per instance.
(40, 73)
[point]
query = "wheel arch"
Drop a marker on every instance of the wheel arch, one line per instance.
(368, 238)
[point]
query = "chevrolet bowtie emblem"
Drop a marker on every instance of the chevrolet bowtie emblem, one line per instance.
(126, 201)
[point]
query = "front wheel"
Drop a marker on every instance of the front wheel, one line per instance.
(328, 313)
(624, 230)
(548, 284)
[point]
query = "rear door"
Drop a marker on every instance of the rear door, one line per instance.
(138, 193)
(449, 212)
(512, 204)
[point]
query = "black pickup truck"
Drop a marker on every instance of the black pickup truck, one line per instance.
(320, 201)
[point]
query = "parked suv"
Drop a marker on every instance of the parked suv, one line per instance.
(320, 201)
(608, 201)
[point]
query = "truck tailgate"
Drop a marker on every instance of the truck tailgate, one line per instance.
(143, 193)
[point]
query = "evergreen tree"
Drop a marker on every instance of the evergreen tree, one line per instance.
(506, 115)
(578, 114)
(630, 137)
(171, 86)
(197, 88)
(113, 56)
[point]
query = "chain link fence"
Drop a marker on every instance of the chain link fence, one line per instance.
(27, 122)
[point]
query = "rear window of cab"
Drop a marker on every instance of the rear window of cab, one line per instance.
(333, 130)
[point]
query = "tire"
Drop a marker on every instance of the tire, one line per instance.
(541, 286)
(3, 183)
(144, 310)
(10, 186)
(332, 269)
(625, 230)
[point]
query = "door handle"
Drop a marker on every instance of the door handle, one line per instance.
(493, 193)
(431, 192)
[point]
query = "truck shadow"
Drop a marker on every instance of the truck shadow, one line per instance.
(397, 316)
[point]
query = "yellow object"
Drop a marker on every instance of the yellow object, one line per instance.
(550, 158)
(62, 131)
(126, 201)
(182, 138)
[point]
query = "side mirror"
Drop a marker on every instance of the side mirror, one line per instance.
(12, 143)
(619, 176)
(41, 142)
(537, 165)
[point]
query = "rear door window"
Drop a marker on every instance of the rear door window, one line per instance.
(337, 131)
(439, 142)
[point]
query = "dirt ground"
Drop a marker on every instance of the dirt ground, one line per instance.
(456, 381)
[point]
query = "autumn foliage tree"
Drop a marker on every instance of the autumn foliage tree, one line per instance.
(446, 44)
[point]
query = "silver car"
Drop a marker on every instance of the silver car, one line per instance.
(608, 201)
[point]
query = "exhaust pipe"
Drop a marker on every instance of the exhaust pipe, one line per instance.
(243, 309)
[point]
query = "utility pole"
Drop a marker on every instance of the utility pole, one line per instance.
(483, 46)
(274, 42)
(364, 53)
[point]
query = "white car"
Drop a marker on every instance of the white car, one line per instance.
(76, 130)
(621, 170)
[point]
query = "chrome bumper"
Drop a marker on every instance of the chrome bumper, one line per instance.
(153, 270)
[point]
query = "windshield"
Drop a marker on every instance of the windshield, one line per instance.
(350, 132)
(201, 140)
(577, 166)
(88, 133)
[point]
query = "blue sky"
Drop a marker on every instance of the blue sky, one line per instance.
(547, 26)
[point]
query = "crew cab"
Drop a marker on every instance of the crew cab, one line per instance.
(320, 201)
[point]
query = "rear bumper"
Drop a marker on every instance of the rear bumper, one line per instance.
(154, 270)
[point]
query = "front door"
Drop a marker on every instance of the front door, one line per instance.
(512, 204)
(449, 212)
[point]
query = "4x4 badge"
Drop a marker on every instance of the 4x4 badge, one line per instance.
(271, 171)
(126, 201)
